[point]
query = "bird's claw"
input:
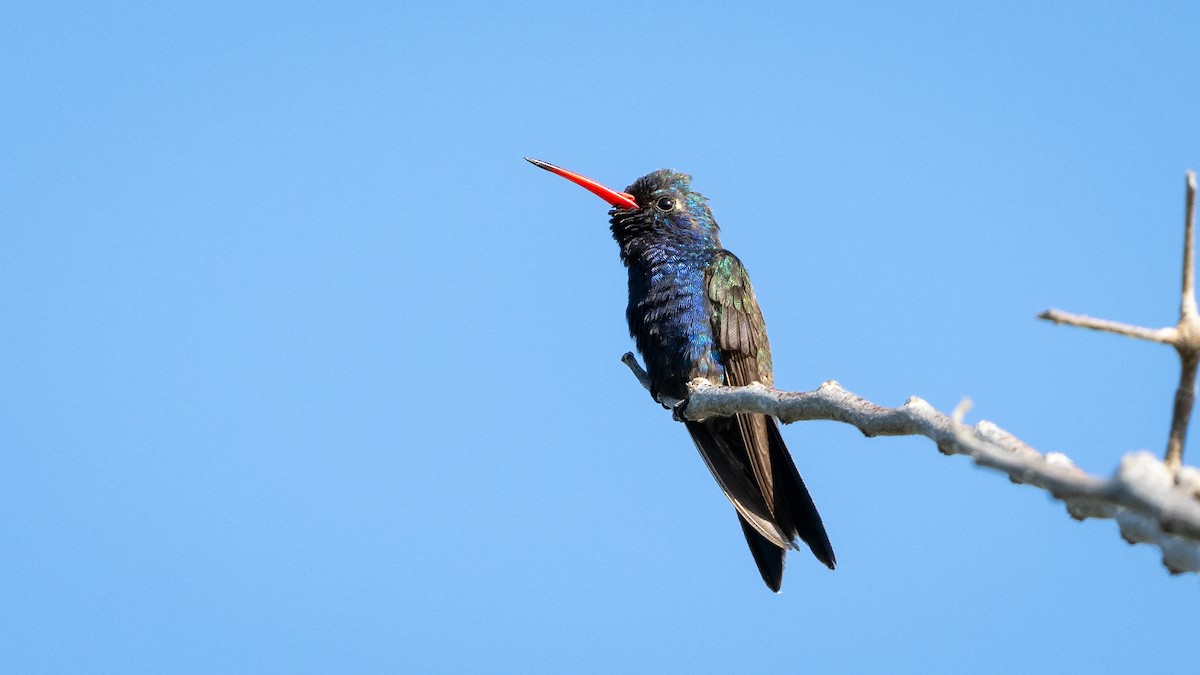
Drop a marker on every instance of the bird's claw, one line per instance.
(679, 410)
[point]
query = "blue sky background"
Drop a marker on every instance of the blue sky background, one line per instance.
(304, 369)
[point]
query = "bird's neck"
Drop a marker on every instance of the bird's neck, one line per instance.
(659, 255)
(647, 240)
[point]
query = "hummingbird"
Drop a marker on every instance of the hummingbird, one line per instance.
(693, 314)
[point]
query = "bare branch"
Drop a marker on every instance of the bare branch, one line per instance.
(630, 360)
(1184, 336)
(1148, 504)
(1187, 306)
(1188, 342)
(1181, 412)
(1165, 335)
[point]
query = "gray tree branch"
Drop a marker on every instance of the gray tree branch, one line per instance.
(1149, 505)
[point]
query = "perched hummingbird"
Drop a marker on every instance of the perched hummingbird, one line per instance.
(693, 314)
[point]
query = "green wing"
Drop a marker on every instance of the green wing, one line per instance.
(740, 335)
(771, 499)
(738, 327)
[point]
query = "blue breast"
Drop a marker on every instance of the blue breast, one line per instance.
(670, 317)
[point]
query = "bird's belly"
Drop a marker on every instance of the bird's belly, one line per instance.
(677, 352)
(670, 317)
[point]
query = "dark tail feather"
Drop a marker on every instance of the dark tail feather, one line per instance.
(792, 498)
(767, 556)
(720, 444)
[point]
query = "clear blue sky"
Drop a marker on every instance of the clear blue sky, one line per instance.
(304, 369)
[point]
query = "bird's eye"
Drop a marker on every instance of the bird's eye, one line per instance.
(665, 203)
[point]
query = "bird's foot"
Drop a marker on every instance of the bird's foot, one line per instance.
(679, 411)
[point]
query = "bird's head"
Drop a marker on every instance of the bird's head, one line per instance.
(659, 210)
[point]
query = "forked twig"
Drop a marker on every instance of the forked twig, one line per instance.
(1184, 336)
